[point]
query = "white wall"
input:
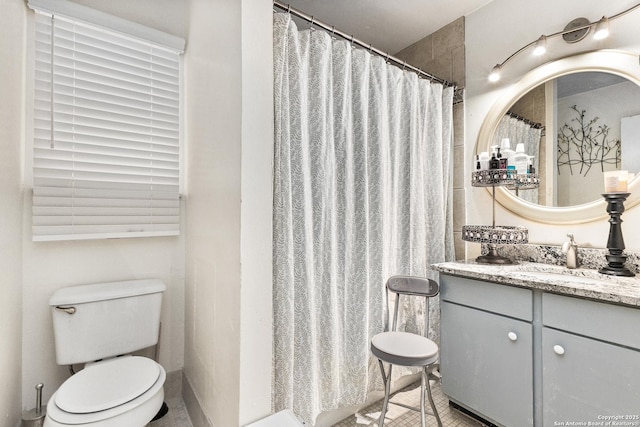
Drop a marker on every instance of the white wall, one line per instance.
(256, 332)
(228, 274)
(12, 22)
(213, 126)
(492, 34)
(47, 266)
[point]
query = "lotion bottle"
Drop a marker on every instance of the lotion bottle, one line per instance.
(484, 160)
(508, 153)
(521, 160)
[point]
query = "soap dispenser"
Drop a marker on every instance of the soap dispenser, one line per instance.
(571, 249)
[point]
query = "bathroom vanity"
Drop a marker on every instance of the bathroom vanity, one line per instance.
(540, 345)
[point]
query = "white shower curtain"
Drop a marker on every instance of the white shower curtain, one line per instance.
(362, 179)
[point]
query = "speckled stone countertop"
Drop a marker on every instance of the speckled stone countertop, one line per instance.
(580, 282)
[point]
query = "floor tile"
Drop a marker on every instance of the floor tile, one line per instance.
(397, 416)
(176, 417)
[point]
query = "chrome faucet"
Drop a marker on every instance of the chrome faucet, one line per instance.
(571, 249)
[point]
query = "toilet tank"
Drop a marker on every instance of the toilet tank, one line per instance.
(92, 322)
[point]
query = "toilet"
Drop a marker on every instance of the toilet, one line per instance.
(100, 325)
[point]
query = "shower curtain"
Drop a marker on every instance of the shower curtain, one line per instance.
(362, 191)
(519, 131)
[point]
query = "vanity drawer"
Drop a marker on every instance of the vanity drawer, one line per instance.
(502, 299)
(606, 322)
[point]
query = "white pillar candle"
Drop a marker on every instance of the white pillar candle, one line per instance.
(615, 181)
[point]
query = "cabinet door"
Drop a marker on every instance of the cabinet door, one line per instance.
(486, 364)
(585, 380)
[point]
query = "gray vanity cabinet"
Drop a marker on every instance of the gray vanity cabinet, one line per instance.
(590, 361)
(522, 357)
(486, 341)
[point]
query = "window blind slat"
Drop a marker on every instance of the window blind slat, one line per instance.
(106, 134)
(114, 77)
(54, 185)
(157, 197)
(92, 107)
(158, 145)
(85, 57)
(79, 175)
(65, 149)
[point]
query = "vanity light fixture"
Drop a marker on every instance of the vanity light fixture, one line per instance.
(602, 29)
(541, 46)
(495, 73)
(573, 32)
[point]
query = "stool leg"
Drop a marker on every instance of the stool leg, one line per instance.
(425, 377)
(424, 382)
(386, 378)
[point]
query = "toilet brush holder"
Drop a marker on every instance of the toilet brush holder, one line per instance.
(35, 417)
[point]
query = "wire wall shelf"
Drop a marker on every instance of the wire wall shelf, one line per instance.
(493, 235)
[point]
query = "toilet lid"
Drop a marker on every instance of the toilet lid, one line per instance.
(107, 385)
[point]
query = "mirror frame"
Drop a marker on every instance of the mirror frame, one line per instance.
(623, 63)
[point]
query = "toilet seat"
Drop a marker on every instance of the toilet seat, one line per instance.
(107, 385)
(107, 389)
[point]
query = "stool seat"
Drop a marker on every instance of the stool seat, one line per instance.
(404, 348)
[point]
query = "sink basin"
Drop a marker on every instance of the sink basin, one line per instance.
(556, 277)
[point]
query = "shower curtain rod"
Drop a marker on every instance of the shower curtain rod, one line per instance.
(531, 123)
(287, 8)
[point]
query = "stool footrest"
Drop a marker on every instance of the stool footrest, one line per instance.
(413, 408)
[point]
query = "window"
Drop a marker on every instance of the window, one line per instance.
(106, 128)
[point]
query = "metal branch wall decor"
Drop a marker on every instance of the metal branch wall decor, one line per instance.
(583, 143)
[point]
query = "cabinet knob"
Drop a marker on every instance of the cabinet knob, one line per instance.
(558, 349)
(512, 336)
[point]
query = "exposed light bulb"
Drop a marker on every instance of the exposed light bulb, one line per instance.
(602, 29)
(541, 46)
(495, 73)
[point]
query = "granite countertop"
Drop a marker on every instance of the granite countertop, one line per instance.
(579, 282)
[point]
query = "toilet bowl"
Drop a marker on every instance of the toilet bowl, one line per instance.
(120, 392)
(100, 322)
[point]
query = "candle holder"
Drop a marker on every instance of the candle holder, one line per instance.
(615, 243)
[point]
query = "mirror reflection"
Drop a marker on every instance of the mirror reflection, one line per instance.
(574, 128)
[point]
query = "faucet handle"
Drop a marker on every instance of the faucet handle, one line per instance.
(571, 242)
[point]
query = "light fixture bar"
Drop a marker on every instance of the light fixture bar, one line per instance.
(601, 32)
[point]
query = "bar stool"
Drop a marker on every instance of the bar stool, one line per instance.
(407, 349)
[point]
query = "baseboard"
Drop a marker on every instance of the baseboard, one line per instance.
(469, 413)
(198, 418)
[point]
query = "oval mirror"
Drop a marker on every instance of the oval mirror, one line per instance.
(578, 117)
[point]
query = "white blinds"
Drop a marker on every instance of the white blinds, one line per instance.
(106, 134)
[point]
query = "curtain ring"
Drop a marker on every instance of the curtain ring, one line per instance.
(311, 23)
(386, 59)
(352, 40)
(370, 47)
(289, 9)
(333, 31)
(404, 65)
